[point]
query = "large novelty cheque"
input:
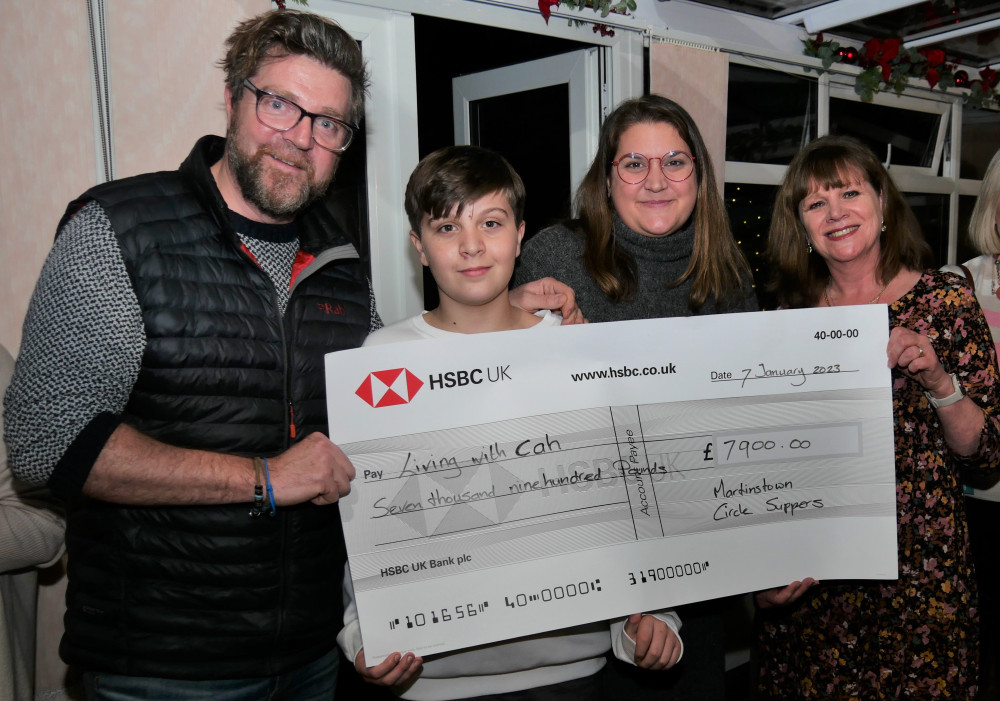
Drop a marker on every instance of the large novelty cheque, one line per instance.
(519, 482)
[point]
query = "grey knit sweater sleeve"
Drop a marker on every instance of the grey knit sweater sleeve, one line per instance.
(82, 348)
(557, 252)
(82, 343)
(552, 252)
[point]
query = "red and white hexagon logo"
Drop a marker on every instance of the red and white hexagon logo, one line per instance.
(389, 387)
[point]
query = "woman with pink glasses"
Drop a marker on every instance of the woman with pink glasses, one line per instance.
(651, 239)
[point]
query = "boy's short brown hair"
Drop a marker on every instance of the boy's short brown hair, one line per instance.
(457, 176)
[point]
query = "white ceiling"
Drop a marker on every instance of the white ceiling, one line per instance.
(968, 30)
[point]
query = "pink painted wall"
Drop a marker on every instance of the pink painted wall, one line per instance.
(166, 87)
(48, 141)
(166, 92)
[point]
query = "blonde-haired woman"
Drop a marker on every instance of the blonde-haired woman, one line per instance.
(983, 496)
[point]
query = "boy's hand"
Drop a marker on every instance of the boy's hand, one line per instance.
(780, 596)
(395, 669)
(548, 293)
(656, 644)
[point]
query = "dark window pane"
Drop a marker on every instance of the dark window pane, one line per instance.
(749, 208)
(911, 134)
(965, 250)
(980, 140)
(347, 198)
(548, 188)
(447, 48)
(771, 115)
(932, 213)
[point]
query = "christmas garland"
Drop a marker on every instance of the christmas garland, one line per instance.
(887, 64)
(605, 7)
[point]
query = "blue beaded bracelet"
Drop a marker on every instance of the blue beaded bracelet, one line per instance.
(270, 490)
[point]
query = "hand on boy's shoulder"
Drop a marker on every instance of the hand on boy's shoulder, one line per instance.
(541, 319)
(575, 316)
(548, 293)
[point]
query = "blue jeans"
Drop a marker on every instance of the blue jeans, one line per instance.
(312, 682)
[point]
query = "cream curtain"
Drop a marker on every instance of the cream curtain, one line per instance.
(698, 79)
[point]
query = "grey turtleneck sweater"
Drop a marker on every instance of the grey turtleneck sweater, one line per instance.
(558, 252)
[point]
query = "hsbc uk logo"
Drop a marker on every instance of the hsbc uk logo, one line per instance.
(398, 386)
(389, 387)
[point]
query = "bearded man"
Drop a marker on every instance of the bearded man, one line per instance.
(170, 389)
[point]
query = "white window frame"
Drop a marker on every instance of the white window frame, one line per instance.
(772, 173)
(387, 44)
(841, 89)
(907, 178)
(576, 69)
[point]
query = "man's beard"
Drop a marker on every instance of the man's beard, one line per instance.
(277, 200)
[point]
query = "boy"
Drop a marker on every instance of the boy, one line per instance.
(465, 206)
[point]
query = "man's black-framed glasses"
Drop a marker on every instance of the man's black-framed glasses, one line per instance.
(281, 114)
(633, 168)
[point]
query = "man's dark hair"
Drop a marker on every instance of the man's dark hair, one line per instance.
(280, 33)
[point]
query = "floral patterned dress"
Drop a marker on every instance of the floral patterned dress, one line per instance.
(915, 637)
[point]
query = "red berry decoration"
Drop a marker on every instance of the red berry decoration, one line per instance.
(961, 79)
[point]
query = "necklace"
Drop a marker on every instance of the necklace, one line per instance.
(826, 294)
